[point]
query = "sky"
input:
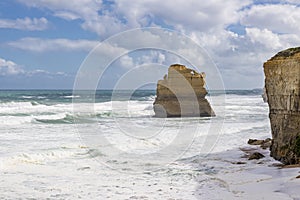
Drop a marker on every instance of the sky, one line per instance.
(43, 43)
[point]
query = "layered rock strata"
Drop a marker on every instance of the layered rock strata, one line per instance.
(282, 84)
(182, 93)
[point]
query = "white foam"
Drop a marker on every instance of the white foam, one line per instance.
(36, 158)
(13, 120)
(25, 112)
(71, 96)
(27, 97)
(30, 154)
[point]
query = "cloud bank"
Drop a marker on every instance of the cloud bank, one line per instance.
(238, 34)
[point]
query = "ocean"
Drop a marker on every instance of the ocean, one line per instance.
(55, 144)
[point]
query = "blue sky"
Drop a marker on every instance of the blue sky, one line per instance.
(44, 42)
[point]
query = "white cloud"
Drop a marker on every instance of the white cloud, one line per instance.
(8, 67)
(109, 18)
(64, 8)
(264, 29)
(296, 2)
(161, 58)
(270, 40)
(265, 37)
(42, 45)
(44, 72)
(104, 24)
(277, 18)
(126, 61)
(66, 15)
(152, 56)
(35, 24)
(181, 15)
(190, 14)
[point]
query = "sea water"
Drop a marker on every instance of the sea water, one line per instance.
(51, 149)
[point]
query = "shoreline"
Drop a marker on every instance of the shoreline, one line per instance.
(265, 178)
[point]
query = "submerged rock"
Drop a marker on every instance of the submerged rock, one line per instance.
(255, 156)
(264, 144)
(255, 142)
(282, 84)
(182, 93)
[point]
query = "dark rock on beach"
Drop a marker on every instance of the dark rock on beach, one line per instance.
(255, 142)
(255, 156)
(264, 144)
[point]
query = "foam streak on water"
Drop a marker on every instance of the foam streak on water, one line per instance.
(42, 154)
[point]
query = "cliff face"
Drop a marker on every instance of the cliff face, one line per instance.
(282, 84)
(182, 93)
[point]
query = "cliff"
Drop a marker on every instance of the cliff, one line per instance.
(182, 93)
(282, 84)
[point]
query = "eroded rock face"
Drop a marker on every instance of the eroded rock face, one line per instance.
(182, 93)
(283, 90)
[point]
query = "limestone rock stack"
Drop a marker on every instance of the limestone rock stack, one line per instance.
(182, 93)
(282, 84)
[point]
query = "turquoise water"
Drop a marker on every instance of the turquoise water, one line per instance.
(66, 96)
